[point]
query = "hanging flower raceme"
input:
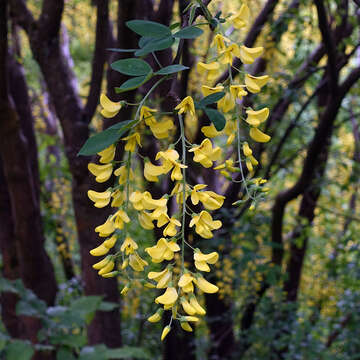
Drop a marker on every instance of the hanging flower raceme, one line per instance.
(182, 287)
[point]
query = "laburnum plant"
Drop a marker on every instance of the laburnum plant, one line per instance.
(223, 104)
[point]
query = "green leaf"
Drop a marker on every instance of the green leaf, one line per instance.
(148, 28)
(131, 67)
(65, 354)
(127, 352)
(105, 138)
(31, 305)
(71, 340)
(108, 306)
(174, 26)
(210, 99)
(85, 307)
(190, 32)
(97, 352)
(19, 350)
(216, 118)
(133, 83)
(154, 45)
(171, 69)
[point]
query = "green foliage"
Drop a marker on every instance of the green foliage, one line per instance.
(132, 67)
(148, 28)
(105, 138)
(190, 32)
(171, 69)
(216, 117)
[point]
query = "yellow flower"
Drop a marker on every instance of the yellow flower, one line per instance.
(144, 201)
(210, 199)
(228, 165)
(125, 290)
(255, 118)
(176, 173)
(106, 229)
(219, 41)
(107, 268)
(187, 307)
(161, 277)
(147, 114)
(122, 173)
(204, 224)
(205, 154)
(249, 55)
(151, 171)
(194, 303)
(107, 155)
(168, 158)
(185, 326)
(118, 198)
(207, 90)
(99, 265)
(228, 53)
(165, 331)
(255, 83)
(227, 103)
(110, 274)
(168, 297)
(170, 229)
(178, 191)
(238, 91)
(155, 317)
(186, 282)
(163, 250)
(186, 105)
(161, 129)
(210, 131)
(110, 243)
(119, 218)
(136, 262)
(146, 220)
(246, 149)
(100, 199)
(102, 172)
(131, 141)
(210, 69)
(205, 286)
(241, 19)
(99, 251)
(191, 318)
(129, 246)
(202, 260)
(258, 136)
(110, 108)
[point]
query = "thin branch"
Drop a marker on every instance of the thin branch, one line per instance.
(99, 58)
(329, 43)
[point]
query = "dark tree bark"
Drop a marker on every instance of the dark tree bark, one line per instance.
(44, 36)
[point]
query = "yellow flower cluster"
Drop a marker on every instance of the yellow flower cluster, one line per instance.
(181, 287)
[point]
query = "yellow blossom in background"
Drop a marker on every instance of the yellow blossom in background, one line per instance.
(110, 108)
(211, 69)
(242, 18)
(186, 105)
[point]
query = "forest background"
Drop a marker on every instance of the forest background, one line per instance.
(289, 270)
